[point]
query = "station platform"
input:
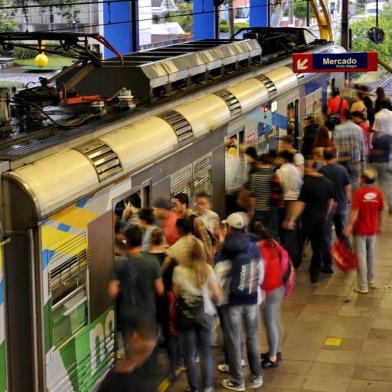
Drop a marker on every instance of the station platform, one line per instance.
(335, 340)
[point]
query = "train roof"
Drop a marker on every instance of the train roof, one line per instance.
(78, 170)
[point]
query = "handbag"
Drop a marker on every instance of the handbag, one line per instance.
(194, 315)
(335, 117)
(343, 256)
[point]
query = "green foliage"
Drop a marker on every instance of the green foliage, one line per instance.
(185, 21)
(224, 28)
(64, 8)
(7, 22)
(156, 19)
(7, 83)
(360, 41)
(300, 9)
(239, 26)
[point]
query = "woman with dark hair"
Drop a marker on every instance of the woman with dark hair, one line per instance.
(323, 139)
(381, 97)
(274, 290)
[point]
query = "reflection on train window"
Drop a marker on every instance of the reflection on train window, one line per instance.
(68, 287)
(193, 178)
(274, 106)
(291, 120)
(236, 167)
(127, 208)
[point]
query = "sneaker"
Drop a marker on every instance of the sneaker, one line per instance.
(267, 355)
(373, 285)
(266, 363)
(228, 384)
(357, 289)
(223, 368)
(255, 382)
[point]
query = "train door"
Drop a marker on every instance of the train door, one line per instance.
(3, 356)
(292, 123)
(235, 164)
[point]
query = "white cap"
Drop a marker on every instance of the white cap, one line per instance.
(235, 220)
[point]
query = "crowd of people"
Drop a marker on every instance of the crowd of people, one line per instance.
(179, 268)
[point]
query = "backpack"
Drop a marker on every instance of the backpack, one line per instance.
(335, 117)
(288, 271)
(244, 280)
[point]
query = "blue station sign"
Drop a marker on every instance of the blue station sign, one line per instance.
(335, 62)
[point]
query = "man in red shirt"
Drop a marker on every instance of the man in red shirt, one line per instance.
(337, 105)
(365, 222)
(167, 218)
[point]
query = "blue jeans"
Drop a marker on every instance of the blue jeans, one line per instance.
(198, 340)
(235, 317)
(364, 247)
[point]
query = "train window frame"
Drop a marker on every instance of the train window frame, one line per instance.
(69, 297)
(274, 106)
(145, 190)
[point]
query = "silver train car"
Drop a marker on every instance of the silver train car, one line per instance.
(56, 322)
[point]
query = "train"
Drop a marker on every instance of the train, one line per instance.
(182, 132)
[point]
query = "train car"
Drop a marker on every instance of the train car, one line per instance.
(59, 203)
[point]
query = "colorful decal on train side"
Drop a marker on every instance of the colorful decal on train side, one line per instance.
(78, 361)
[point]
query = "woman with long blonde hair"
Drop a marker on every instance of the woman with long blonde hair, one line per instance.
(195, 286)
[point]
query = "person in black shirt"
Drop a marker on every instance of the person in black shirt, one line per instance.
(129, 375)
(314, 203)
(340, 179)
(166, 303)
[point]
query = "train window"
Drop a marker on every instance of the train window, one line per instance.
(202, 175)
(236, 167)
(68, 287)
(182, 182)
(274, 106)
(292, 121)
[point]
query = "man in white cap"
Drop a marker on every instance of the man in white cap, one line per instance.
(245, 277)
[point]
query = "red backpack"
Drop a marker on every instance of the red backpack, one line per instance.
(288, 271)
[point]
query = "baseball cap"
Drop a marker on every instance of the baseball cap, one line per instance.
(162, 202)
(235, 220)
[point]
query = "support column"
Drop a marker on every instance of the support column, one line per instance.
(121, 26)
(204, 19)
(345, 25)
(259, 13)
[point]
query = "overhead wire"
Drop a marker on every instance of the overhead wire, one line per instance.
(172, 15)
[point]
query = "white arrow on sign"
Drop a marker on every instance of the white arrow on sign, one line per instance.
(302, 64)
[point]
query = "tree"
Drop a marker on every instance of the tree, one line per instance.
(7, 22)
(64, 8)
(360, 41)
(300, 9)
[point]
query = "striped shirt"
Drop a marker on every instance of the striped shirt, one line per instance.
(349, 141)
(259, 185)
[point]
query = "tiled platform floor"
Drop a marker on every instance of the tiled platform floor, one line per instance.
(362, 362)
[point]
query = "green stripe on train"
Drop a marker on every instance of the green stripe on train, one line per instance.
(89, 354)
(3, 372)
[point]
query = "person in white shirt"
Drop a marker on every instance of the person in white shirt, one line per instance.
(291, 181)
(202, 209)
(286, 144)
(383, 119)
(289, 176)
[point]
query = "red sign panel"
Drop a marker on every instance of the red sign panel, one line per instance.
(335, 62)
